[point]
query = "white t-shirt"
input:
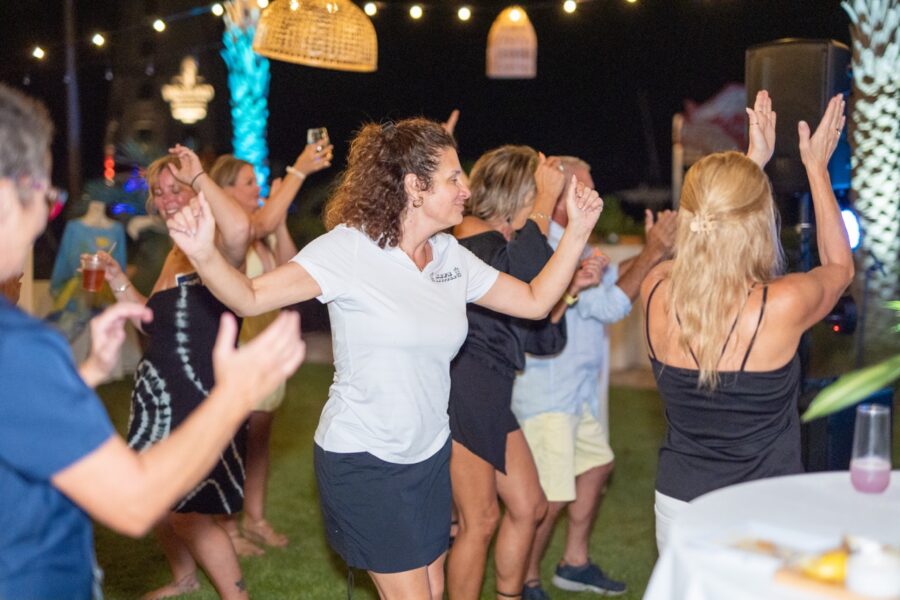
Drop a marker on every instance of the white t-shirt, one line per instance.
(394, 330)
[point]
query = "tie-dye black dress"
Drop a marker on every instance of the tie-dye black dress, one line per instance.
(174, 376)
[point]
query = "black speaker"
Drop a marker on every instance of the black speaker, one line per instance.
(801, 76)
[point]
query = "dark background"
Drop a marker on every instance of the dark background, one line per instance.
(610, 76)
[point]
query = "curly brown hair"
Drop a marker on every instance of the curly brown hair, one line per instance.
(371, 195)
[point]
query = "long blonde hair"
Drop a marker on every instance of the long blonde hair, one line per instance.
(727, 240)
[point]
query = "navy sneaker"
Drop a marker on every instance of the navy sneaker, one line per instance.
(534, 592)
(586, 578)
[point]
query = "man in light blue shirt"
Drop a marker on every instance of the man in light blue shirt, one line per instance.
(560, 402)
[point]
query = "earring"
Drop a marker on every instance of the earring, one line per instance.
(418, 202)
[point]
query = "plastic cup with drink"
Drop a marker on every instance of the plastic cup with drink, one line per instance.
(92, 272)
(870, 464)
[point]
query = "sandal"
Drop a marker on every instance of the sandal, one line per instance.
(261, 532)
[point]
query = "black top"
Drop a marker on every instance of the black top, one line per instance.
(747, 428)
(499, 340)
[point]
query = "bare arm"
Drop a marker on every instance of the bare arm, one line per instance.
(128, 491)
(193, 229)
(513, 297)
(232, 221)
(588, 274)
(660, 242)
(120, 285)
(107, 335)
(264, 221)
(549, 182)
(812, 295)
(285, 248)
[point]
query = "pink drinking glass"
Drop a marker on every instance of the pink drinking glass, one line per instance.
(870, 464)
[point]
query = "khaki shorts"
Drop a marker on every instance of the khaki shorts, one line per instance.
(564, 446)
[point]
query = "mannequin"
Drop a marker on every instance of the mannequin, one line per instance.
(91, 232)
(96, 216)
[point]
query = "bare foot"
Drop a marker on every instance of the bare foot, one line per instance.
(185, 585)
(261, 532)
(244, 547)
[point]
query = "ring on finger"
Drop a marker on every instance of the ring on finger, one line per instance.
(318, 148)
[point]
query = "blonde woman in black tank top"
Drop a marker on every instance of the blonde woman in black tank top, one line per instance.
(723, 324)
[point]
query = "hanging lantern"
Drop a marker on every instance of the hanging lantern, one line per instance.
(331, 34)
(512, 46)
(187, 94)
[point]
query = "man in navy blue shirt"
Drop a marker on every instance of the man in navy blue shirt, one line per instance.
(61, 462)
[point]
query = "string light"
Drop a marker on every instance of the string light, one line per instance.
(370, 8)
(464, 13)
(38, 53)
(262, 3)
(98, 40)
(569, 6)
(159, 25)
(415, 11)
(631, 1)
(515, 15)
(217, 9)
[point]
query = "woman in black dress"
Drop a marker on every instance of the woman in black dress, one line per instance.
(514, 190)
(175, 376)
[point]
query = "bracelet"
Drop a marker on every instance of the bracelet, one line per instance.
(195, 178)
(538, 215)
(295, 172)
(569, 299)
(120, 289)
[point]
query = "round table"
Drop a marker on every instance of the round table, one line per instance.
(809, 512)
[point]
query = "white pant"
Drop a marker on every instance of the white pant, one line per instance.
(666, 509)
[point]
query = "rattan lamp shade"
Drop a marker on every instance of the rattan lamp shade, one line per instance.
(512, 46)
(331, 34)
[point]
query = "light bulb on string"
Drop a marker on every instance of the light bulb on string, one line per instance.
(38, 53)
(464, 13)
(98, 40)
(159, 25)
(370, 9)
(108, 74)
(515, 15)
(217, 9)
(569, 6)
(262, 3)
(415, 11)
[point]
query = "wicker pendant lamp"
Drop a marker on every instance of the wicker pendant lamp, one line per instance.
(512, 46)
(331, 34)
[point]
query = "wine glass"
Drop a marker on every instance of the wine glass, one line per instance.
(870, 463)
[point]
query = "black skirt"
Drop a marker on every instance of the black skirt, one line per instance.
(480, 409)
(385, 517)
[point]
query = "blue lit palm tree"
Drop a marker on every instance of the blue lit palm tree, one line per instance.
(248, 82)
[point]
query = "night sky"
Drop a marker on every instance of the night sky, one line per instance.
(595, 69)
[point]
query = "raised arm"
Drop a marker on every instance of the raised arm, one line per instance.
(812, 295)
(193, 230)
(660, 242)
(533, 301)
(549, 182)
(314, 157)
(128, 491)
(233, 222)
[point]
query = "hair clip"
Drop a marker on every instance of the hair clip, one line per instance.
(702, 223)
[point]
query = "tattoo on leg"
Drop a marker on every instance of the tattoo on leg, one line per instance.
(241, 585)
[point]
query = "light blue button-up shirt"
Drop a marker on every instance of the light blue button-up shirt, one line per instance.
(579, 374)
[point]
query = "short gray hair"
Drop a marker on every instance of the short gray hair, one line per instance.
(574, 162)
(25, 135)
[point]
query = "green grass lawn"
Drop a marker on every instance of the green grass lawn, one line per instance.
(623, 541)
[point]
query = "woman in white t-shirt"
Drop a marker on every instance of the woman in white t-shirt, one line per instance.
(396, 289)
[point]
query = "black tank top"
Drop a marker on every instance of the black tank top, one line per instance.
(747, 428)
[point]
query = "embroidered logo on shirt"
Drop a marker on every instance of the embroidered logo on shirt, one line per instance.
(448, 276)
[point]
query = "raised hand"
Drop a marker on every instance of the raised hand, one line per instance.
(816, 150)
(193, 229)
(259, 366)
(583, 207)
(661, 231)
(190, 167)
(450, 124)
(314, 157)
(549, 177)
(588, 275)
(107, 335)
(762, 121)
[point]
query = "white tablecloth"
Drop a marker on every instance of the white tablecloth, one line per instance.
(809, 512)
